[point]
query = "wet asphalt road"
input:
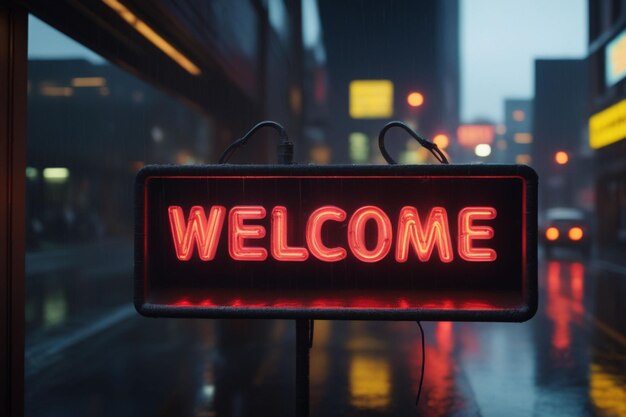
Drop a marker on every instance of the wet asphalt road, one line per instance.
(569, 360)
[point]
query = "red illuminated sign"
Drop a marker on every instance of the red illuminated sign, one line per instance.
(205, 233)
(389, 242)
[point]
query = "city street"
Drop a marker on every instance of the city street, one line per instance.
(192, 192)
(570, 360)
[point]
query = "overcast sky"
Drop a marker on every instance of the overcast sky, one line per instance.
(500, 39)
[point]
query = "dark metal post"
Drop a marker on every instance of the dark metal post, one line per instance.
(303, 344)
(13, 80)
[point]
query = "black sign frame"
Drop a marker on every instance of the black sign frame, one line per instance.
(517, 313)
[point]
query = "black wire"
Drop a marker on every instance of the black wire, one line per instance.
(432, 147)
(311, 330)
(285, 146)
(419, 389)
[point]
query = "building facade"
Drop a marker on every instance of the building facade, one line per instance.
(518, 123)
(558, 135)
(607, 123)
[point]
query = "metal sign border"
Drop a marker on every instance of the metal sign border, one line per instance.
(519, 314)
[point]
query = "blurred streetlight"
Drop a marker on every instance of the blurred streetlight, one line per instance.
(561, 157)
(441, 140)
(415, 99)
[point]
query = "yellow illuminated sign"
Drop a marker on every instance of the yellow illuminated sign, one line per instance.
(615, 64)
(608, 126)
(371, 99)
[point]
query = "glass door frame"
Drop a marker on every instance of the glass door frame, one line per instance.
(13, 91)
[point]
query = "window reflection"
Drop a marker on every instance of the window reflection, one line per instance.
(91, 127)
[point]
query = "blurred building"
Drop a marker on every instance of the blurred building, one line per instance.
(237, 62)
(518, 137)
(418, 54)
(181, 80)
(607, 123)
(558, 136)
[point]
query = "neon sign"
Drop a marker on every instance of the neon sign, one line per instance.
(205, 233)
(392, 242)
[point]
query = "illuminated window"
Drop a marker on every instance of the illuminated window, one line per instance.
(523, 138)
(482, 150)
(523, 159)
(519, 115)
(371, 99)
(359, 147)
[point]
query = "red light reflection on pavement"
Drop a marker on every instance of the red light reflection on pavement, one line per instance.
(577, 284)
(439, 377)
(445, 336)
(558, 309)
(564, 308)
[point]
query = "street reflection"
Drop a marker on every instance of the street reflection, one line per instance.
(439, 378)
(577, 284)
(607, 391)
(568, 360)
(319, 358)
(370, 382)
(369, 371)
(54, 308)
(558, 309)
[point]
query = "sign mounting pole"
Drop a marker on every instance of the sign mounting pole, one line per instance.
(442, 242)
(304, 342)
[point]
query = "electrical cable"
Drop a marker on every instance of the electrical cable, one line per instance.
(432, 147)
(285, 147)
(439, 155)
(311, 330)
(419, 388)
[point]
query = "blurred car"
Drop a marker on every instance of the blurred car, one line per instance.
(566, 227)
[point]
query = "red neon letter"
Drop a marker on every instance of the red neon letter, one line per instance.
(198, 229)
(238, 232)
(280, 249)
(356, 234)
(314, 233)
(468, 232)
(437, 233)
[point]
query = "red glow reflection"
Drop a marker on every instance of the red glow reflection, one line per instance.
(558, 309)
(577, 284)
(347, 303)
(439, 376)
(444, 334)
